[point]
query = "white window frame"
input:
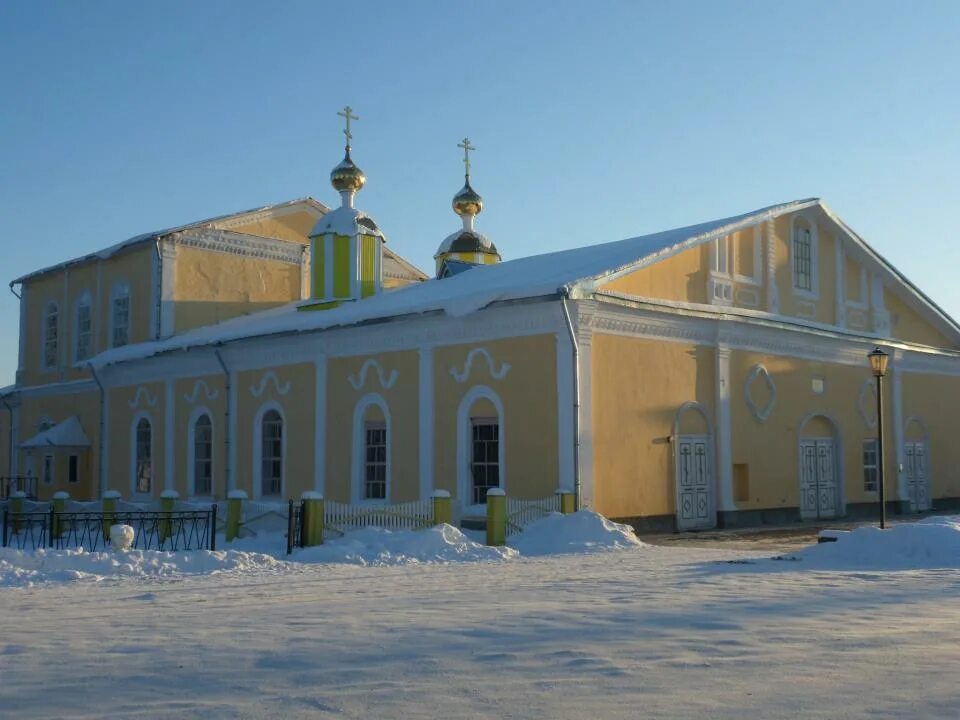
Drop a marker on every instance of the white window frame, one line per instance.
(465, 441)
(258, 450)
(84, 301)
(119, 290)
(358, 467)
(814, 292)
(48, 469)
(50, 308)
(192, 453)
(134, 458)
(875, 467)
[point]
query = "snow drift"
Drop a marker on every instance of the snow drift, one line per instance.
(581, 532)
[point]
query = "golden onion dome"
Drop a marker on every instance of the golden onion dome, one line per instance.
(467, 201)
(346, 176)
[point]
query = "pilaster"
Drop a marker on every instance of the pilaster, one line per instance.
(773, 293)
(840, 276)
(583, 326)
(168, 285)
(896, 391)
(565, 410)
(169, 433)
(723, 431)
(426, 416)
(320, 425)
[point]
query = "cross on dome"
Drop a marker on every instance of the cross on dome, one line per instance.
(347, 115)
(467, 147)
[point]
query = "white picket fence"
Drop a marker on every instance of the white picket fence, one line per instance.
(521, 513)
(339, 518)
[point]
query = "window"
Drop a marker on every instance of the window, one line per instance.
(721, 256)
(48, 469)
(73, 471)
(375, 461)
(203, 456)
(120, 316)
(485, 458)
(802, 257)
(143, 459)
(84, 329)
(50, 335)
(870, 466)
(271, 455)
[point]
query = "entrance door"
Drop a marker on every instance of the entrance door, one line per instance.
(694, 483)
(818, 479)
(918, 485)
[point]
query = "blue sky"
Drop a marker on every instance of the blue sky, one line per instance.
(593, 121)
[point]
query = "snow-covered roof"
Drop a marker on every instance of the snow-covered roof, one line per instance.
(575, 272)
(68, 433)
(346, 221)
(153, 236)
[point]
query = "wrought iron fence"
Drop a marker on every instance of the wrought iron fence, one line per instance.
(294, 526)
(521, 513)
(9, 484)
(170, 531)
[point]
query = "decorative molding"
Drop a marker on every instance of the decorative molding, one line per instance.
(191, 397)
(748, 297)
(867, 402)
(759, 373)
(806, 309)
(773, 294)
(258, 390)
(142, 391)
(496, 373)
(360, 379)
(232, 243)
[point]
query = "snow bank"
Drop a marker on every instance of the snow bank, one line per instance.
(20, 568)
(581, 532)
(930, 543)
(376, 546)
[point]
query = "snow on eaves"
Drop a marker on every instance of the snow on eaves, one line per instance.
(570, 272)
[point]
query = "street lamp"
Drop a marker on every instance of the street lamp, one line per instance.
(878, 363)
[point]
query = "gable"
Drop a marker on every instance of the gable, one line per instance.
(291, 224)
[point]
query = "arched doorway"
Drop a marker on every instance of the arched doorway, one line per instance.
(820, 492)
(693, 463)
(915, 465)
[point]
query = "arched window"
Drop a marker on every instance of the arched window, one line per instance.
(371, 449)
(51, 328)
(804, 256)
(143, 457)
(271, 454)
(480, 444)
(83, 329)
(119, 315)
(202, 460)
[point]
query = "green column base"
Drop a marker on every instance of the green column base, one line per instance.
(312, 520)
(234, 514)
(568, 502)
(442, 508)
(496, 517)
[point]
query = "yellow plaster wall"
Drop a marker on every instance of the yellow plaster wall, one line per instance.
(292, 226)
(792, 304)
(152, 401)
(135, 267)
(682, 277)
(931, 399)
(637, 388)
(184, 391)
(39, 292)
(297, 405)
(82, 279)
(529, 395)
(212, 287)
(402, 400)
(907, 324)
(4, 441)
(86, 406)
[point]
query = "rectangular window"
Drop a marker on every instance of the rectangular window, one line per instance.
(272, 455)
(48, 469)
(802, 260)
(375, 472)
(73, 471)
(121, 321)
(84, 332)
(870, 465)
(485, 459)
(50, 329)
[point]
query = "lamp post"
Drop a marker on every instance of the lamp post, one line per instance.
(878, 363)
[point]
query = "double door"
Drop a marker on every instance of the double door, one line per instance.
(819, 493)
(915, 469)
(695, 505)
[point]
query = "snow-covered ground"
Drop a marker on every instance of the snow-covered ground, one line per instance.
(864, 627)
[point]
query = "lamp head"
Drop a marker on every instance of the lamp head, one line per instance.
(878, 362)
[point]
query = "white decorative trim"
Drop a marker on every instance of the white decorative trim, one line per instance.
(358, 454)
(899, 437)
(496, 373)
(773, 294)
(169, 424)
(258, 390)
(153, 332)
(747, 296)
(806, 309)
(840, 279)
(232, 243)
(360, 379)
(426, 417)
(142, 392)
(197, 413)
(881, 318)
(565, 413)
(306, 273)
(868, 393)
(168, 287)
(759, 372)
(257, 474)
(209, 394)
(465, 440)
(232, 404)
(724, 434)
(320, 425)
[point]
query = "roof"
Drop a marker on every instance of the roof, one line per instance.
(575, 272)
(68, 433)
(153, 236)
(469, 241)
(346, 221)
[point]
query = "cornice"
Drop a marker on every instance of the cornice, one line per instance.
(231, 243)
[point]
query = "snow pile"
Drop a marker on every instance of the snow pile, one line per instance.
(581, 532)
(376, 546)
(20, 568)
(930, 543)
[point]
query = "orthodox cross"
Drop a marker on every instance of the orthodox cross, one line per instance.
(348, 115)
(467, 147)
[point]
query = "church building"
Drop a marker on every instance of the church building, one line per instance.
(710, 375)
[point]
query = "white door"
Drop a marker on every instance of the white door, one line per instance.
(819, 496)
(694, 483)
(918, 485)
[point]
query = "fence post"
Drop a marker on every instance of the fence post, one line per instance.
(59, 507)
(235, 500)
(312, 518)
(168, 500)
(496, 517)
(567, 501)
(213, 527)
(16, 507)
(442, 508)
(108, 504)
